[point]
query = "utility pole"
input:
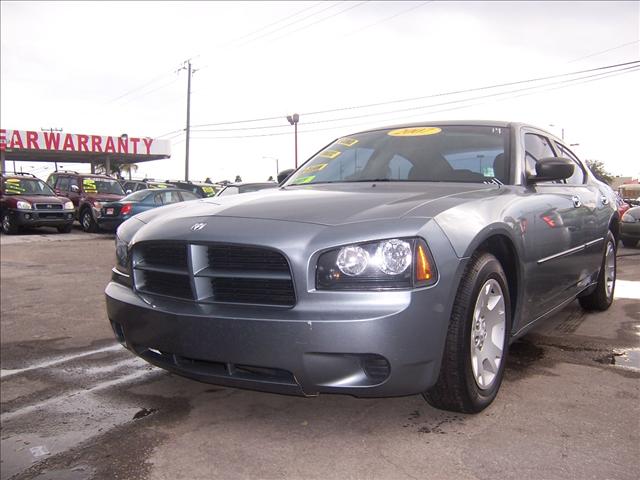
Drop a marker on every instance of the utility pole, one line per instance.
(190, 72)
(51, 130)
(293, 120)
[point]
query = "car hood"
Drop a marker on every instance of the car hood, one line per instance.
(334, 204)
(40, 198)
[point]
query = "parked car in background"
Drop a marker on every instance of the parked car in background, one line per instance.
(630, 227)
(130, 186)
(235, 188)
(621, 205)
(395, 261)
(88, 192)
(114, 213)
(26, 201)
(201, 189)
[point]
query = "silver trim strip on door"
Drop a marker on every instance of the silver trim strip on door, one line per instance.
(570, 251)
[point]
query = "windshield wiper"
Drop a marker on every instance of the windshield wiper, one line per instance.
(372, 180)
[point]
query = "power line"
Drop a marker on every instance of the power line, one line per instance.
(288, 24)
(133, 90)
(603, 51)
(388, 18)
(556, 85)
(273, 23)
(351, 7)
(424, 97)
(145, 94)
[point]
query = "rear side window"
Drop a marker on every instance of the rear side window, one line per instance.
(578, 173)
(536, 147)
(51, 181)
(188, 196)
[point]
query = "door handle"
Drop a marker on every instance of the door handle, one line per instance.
(605, 200)
(576, 201)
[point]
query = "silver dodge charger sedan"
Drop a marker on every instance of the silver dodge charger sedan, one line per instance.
(395, 261)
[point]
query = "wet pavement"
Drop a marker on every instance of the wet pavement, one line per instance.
(74, 405)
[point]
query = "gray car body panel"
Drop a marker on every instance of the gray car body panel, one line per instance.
(317, 338)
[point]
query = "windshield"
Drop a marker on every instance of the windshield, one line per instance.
(475, 154)
(101, 185)
(25, 186)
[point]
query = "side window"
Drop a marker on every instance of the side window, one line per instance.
(127, 186)
(141, 186)
(186, 196)
(63, 184)
(72, 182)
(51, 181)
(536, 147)
(578, 173)
(158, 199)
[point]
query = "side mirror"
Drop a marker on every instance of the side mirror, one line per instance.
(284, 174)
(75, 188)
(128, 192)
(552, 168)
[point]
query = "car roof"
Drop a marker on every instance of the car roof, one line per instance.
(246, 184)
(451, 123)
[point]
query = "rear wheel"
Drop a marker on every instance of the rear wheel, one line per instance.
(65, 228)
(602, 297)
(8, 225)
(87, 222)
(477, 340)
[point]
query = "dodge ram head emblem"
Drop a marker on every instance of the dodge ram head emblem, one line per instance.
(198, 226)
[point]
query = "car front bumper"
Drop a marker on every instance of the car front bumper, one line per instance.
(42, 218)
(370, 348)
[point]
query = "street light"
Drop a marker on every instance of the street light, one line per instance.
(277, 168)
(293, 120)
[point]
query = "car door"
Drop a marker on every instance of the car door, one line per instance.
(62, 185)
(560, 230)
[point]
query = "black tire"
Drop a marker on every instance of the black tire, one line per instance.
(65, 228)
(8, 225)
(87, 222)
(629, 243)
(456, 389)
(601, 298)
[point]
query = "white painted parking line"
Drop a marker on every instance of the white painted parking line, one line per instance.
(5, 417)
(627, 289)
(4, 373)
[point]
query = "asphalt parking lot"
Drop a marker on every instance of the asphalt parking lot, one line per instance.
(75, 405)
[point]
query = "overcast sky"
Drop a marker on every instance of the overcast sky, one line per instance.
(109, 68)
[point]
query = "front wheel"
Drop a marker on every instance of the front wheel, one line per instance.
(602, 297)
(87, 222)
(8, 225)
(477, 340)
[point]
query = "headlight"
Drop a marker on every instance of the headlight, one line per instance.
(68, 205)
(97, 205)
(21, 205)
(382, 265)
(626, 218)
(122, 255)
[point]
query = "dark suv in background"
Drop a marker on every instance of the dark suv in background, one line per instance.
(88, 192)
(201, 189)
(26, 201)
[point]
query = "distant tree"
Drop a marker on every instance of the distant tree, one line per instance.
(599, 171)
(129, 167)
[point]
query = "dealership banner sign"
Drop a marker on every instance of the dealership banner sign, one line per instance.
(27, 140)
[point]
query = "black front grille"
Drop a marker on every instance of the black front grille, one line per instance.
(162, 283)
(52, 215)
(48, 206)
(260, 291)
(164, 254)
(231, 257)
(214, 273)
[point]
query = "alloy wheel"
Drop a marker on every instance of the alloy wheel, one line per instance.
(610, 268)
(488, 334)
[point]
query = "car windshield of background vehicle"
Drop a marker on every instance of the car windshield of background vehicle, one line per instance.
(26, 186)
(101, 185)
(474, 154)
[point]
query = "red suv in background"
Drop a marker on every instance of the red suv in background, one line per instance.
(88, 192)
(26, 201)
